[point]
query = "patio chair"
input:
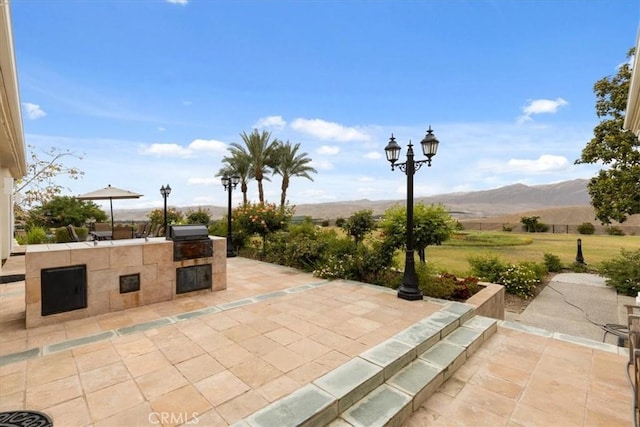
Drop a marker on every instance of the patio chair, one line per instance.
(101, 226)
(122, 233)
(73, 236)
(634, 360)
(141, 229)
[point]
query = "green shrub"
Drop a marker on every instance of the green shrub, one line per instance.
(623, 272)
(507, 227)
(487, 267)
(82, 233)
(519, 279)
(340, 222)
(219, 228)
(541, 227)
(36, 235)
(371, 263)
(586, 228)
(61, 235)
(540, 269)
(552, 262)
(325, 223)
(578, 267)
(21, 238)
(432, 284)
(615, 231)
(301, 246)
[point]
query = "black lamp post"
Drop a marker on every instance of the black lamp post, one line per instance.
(165, 191)
(229, 184)
(409, 289)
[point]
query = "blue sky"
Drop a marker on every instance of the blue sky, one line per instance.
(151, 92)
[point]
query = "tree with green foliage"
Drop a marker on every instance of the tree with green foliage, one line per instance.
(530, 223)
(174, 216)
(199, 216)
(259, 150)
(289, 163)
(238, 164)
(261, 218)
(64, 210)
(432, 225)
(615, 191)
(359, 224)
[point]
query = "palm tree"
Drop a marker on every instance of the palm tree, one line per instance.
(238, 164)
(290, 163)
(259, 150)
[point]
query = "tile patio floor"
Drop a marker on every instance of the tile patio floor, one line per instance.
(277, 329)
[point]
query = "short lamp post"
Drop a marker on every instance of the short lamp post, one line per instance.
(165, 191)
(409, 289)
(229, 183)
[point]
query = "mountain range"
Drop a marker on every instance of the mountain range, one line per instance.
(507, 200)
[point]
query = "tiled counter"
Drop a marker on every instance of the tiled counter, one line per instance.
(147, 265)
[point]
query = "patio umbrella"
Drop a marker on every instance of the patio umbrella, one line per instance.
(109, 193)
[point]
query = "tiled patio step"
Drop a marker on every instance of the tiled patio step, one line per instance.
(394, 401)
(322, 401)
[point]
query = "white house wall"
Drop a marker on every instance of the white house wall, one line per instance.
(632, 117)
(12, 148)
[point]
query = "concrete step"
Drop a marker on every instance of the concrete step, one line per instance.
(430, 350)
(407, 390)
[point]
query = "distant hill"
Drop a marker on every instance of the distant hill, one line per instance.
(498, 202)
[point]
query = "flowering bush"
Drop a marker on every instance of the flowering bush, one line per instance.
(261, 218)
(333, 267)
(519, 279)
(445, 285)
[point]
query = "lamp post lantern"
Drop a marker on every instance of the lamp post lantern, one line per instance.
(409, 289)
(165, 191)
(229, 183)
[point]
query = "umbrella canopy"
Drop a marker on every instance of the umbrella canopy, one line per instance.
(109, 193)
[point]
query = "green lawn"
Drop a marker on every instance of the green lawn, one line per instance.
(514, 247)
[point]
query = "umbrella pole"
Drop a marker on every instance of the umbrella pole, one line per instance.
(111, 204)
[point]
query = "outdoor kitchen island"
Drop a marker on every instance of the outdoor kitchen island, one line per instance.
(67, 281)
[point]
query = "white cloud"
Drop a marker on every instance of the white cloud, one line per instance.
(208, 145)
(321, 165)
(176, 150)
(161, 129)
(373, 155)
(328, 130)
(33, 111)
(541, 106)
(166, 150)
(273, 122)
(181, 2)
(329, 150)
(543, 164)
